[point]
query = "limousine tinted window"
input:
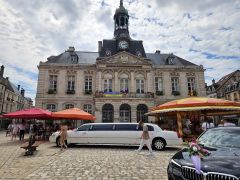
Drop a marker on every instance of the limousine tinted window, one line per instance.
(150, 128)
(83, 128)
(126, 127)
(102, 127)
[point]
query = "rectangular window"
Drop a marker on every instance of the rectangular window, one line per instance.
(191, 85)
(53, 82)
(69, 106)
(158, 84)
(51, 107)
(88, 108)
(71, 83)
(124, 85)
(88, 83)
(126, 127)
(107, 85)
(140, 86)
(102, 127)
(175, 84)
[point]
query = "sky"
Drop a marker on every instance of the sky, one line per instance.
(205, 32)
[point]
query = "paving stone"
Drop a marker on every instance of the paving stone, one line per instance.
(82, 163)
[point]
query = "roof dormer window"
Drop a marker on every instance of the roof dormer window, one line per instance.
(170, 60)
(74, 59)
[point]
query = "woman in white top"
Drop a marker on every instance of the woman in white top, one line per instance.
(14, 130)
(207, 124)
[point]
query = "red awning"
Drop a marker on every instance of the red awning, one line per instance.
(33, 113)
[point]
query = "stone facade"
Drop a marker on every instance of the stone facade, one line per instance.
(228, 87)
(115, 67)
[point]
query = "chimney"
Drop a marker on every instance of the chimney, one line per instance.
(7, 78)
(213, 81)
(157, 52)
(2, 71)
(22, 92)
(71, 49)
(19, 87)
(99, 46)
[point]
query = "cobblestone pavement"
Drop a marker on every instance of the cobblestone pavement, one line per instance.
(81, 162)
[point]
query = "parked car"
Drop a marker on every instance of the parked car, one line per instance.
(118, 134)
(223, 143)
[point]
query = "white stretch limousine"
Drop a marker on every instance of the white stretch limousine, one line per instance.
(127, 134)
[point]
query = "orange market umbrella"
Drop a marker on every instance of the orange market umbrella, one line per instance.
(203, 104)
(73, 113)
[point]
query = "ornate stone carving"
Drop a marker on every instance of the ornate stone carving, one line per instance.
(71, 71)
(53, 71)
(174, 73)
(158, 73)
(190, 74)
(88, 72)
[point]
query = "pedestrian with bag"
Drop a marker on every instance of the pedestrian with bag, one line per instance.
(145, 138)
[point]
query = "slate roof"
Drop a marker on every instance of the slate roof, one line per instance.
(111, 45)
(91, 57)
(161, 59)
(15, 89)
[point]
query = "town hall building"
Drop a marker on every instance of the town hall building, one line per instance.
(120, 82)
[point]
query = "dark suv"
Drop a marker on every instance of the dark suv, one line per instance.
(222, 164)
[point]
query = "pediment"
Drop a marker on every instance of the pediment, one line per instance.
(124, 58)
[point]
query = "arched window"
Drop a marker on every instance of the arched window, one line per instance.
(139, 84)
(107, 113)
(124, 83)
(69, 106)
(122, 21)
(141, 110)
(107, 83)
(125, 113)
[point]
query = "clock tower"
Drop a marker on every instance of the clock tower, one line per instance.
(121, 33)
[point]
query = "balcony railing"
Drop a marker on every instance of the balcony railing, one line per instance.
(123, 95)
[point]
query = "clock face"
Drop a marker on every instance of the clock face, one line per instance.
(123, 44)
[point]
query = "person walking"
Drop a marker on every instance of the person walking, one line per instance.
(21, 127)
(145, 138)
(207, 124)
(9, 129)
(63, 136)
(14, 130)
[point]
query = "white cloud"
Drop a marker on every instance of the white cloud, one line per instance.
(31, 31)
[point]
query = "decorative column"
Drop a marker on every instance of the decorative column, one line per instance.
(132, 87)
(116, 84)
(99, 81)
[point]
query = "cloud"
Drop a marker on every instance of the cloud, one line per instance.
(203, 32)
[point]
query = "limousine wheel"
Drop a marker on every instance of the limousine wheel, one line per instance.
(159, 144)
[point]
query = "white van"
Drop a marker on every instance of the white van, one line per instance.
(127, 134)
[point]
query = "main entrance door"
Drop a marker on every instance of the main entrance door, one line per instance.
(107, 113)
(125, 113)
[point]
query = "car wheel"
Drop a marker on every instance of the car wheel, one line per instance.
(158, 144)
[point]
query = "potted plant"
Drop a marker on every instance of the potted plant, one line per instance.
(52, 91)
(175, 93)
(70, 91)
(159, 93)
